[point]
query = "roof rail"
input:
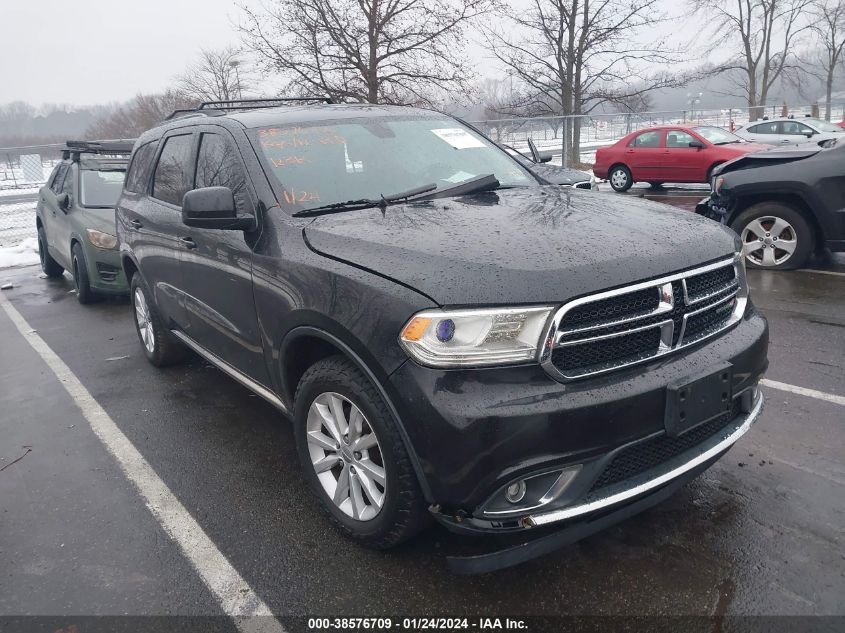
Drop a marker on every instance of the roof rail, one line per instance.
(217, 108)
(108, 147)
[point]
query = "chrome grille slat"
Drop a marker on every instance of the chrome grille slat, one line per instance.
(705, 301)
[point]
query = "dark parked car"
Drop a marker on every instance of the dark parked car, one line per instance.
(782, 203)
(538, 162)
(452, 339)
(75, 217)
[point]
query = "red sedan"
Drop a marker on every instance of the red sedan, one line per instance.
(668, 154)
(841, 124)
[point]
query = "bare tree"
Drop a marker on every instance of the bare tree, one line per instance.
(828, 26)
(216, 76)
(137, 116)
(575, 55)
(763, 34)
(376, 51)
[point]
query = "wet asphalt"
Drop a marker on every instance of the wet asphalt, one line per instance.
(762, 532)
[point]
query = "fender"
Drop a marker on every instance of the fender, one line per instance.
(308, 330)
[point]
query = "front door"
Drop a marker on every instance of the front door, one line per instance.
(682, 163)
(217, 271)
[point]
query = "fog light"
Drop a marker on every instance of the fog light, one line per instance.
(515, 492)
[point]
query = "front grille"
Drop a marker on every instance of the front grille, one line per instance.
(634, 324)
(699, 286)
(640, 458)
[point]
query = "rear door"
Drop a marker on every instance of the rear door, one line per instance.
(217, 270)
(682, 163)
(50, 212)
(158, 224)
(644, 155)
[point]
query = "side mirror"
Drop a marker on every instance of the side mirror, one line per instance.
(696, 144)
(808, 133)
(214, 208)
(63, 200)
(545, 157)
(535, 153)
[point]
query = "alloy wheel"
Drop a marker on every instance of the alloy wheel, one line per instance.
(346, 456)
(768, 241)
(142, 319)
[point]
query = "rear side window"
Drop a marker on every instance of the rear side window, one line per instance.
(218, 166)
(764, 128)
(170, 181)
(646, 139)
(141, 168)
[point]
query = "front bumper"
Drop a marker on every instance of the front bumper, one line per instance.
(475, 431)
(105, 271)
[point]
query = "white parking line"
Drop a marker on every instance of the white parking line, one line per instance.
(803, 391)
(232, 592)
(820, 272)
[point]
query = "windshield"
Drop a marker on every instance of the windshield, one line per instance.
(99, 188)
(717, 135)
(824, 126)
(337, 161)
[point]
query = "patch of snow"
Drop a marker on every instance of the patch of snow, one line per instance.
(18, 191)
(24, 254)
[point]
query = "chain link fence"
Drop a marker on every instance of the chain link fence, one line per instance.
(17, 222)
(598, 130)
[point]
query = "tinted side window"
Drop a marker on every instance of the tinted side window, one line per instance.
(646, 139)
(218, 166)
(764, 128)
(67, 186)
(142, 166)
(56, 185)
(170, 182)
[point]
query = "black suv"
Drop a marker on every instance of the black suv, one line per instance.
(452, 339)
(782, 203)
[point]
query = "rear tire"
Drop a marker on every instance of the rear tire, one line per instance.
(159, 346)
(619, 178)
(84, 294)
(49, 265)
(347, 481)
(775, 236)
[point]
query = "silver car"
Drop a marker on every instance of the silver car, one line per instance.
(790, 131)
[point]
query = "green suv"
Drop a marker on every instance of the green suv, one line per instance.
(75, 217)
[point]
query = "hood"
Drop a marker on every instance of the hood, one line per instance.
(520, 246)
(769, 157)
(740, 149)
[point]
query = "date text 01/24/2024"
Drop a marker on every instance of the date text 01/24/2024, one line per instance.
(417, 624)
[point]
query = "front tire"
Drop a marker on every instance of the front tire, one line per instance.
(84, 294)
(49, 265)
(159, 346)
(774, 236)
(620, 178)
(354, 457)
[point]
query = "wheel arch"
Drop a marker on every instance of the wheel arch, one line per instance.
(129, 265)
(305, 345)
(790, 199)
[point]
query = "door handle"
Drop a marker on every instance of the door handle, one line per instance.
(188, 242)
(135, 224)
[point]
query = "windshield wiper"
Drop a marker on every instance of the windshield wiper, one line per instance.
(365, 203)
(487, 182)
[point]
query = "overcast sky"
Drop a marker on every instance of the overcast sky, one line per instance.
(85, 52)
(98, 51)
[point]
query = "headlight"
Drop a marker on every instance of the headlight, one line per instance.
(102, 240)
(468, 338)
(718, 181)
